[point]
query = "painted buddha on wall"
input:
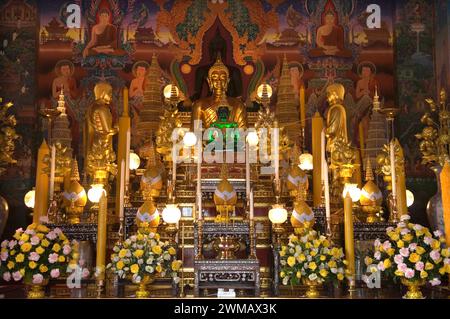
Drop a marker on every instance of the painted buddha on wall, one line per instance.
(330, 38)
(103, 37)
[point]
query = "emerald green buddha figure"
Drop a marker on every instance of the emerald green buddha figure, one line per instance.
(229, 129)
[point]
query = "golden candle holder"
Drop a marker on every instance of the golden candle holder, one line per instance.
(172, 230)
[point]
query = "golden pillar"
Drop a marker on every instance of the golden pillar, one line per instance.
(122, 154)
(101, 240)
(317, 127)
(349, 240)
(42, 183)
(402, 208)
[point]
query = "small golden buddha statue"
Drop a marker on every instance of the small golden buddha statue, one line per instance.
(206, 109)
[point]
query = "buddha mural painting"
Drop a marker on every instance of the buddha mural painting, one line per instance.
(103, 37)
(367, 82)
(64, 70)
(137, 84)
(330, 37)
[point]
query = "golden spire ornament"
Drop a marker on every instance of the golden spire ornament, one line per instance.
(371, 196)
(74, 197)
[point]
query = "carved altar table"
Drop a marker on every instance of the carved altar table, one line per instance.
(212, 273)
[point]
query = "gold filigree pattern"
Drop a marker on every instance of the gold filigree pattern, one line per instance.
(435, 137)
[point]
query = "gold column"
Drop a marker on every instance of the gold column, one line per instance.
(42, 180)
(317, 127)
(101, 239)
(122, 151)
(349, 241)
(402, 208)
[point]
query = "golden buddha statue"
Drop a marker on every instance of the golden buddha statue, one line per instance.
(206, 109)
(336, 116)
(99, 130)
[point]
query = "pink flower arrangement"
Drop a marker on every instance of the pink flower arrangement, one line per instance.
(411, 253)
(34, 255)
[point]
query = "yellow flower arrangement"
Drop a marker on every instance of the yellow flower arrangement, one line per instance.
(411, 253)
(34, 255)
(144, 255)
(310, 256)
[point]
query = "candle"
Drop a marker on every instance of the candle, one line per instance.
(251, 205)
(199, 177)
(125, 102)
(401, 183)
(393, 175)
(174, 166)
(127, 154)
(318, 150)
(325, 180)
(302, 106)
(121, 189)
(247, 170)
(276, 152)
(41, 203)
(123, 155)
(349, 240)
(101, 237)
(52, 172)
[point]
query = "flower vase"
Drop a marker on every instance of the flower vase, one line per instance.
(36, 291)
(142, 290)
(4, 213)
(413, 288)
(435, 210)
(312, 291)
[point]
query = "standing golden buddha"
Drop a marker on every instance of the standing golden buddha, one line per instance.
(98, 133)
(205, 109)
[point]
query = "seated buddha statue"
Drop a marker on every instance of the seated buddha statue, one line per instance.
(103, 37)
(330, 39)
(206, 109)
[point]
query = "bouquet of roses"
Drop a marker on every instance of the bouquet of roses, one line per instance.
(411, 253)
(144, 255)
(311, 257)
(34, 255)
